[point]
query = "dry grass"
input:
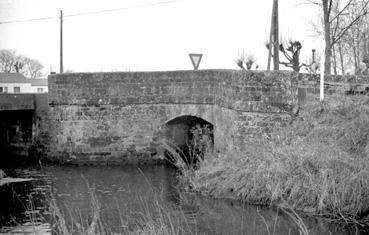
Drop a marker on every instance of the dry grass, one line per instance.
(151, 218)
(318, 164)
(154, 218)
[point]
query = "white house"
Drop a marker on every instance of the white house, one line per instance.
(17, 83)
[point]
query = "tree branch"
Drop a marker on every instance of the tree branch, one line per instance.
(336, 28)
(286, 64)
(341, 11)
(344, 29)
(287, 56)
(329, 8)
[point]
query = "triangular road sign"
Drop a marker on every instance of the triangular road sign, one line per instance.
(195, 59)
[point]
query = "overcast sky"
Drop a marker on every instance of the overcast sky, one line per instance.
(147, 36)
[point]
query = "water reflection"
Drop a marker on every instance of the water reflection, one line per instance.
(126, 194)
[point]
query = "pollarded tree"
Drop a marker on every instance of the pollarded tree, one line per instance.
(291, 52)
(246, 60)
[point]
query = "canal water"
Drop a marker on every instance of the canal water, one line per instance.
(130, 199)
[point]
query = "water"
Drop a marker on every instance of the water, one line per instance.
(129, 198)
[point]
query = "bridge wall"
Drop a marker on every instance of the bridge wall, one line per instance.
(10, 102)
(20, 115)
(119, 117)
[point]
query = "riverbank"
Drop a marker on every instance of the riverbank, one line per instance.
(319, 164)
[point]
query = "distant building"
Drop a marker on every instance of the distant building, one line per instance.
(17, 83)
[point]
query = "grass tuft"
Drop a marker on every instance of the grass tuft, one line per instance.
(318, 164)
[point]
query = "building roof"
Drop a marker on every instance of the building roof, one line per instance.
(12, 78)
(38, 82)
(19, 78)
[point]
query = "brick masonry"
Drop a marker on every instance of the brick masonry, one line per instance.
(121, 117)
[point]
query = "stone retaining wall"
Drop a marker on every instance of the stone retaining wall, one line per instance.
(344, 85)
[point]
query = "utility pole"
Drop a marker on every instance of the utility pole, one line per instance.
(274, 38)
(276, 35)
(270, 43)
(61, 41)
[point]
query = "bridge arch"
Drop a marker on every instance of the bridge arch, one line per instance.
(190, 136)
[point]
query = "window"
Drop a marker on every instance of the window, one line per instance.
(17, 89)
(1, 90)
(5, 89)
(40, 90)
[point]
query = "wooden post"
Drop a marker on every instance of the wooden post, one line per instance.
(270, 43)
(275, 36)
(61, 41)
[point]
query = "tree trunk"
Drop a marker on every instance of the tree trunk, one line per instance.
(334, 60)
(358, 47)
(355, 56)
(327, 38)
(341, 58)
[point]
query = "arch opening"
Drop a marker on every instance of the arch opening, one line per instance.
(188, 137)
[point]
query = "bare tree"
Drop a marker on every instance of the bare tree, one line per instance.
(364, 43)
(291, 52)
(336, 22)
(240, 60)
(33, 68)
(8, 59)
(247, 60)
(11, 62)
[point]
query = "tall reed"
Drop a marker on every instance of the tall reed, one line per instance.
(318, 164)
(151, 218)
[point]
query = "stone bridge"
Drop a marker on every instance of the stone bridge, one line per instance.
(122, 117)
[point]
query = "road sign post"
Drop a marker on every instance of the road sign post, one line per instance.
(195, 59)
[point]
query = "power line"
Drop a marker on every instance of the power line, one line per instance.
(123, 8)
(29, 20)
(91, 12)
